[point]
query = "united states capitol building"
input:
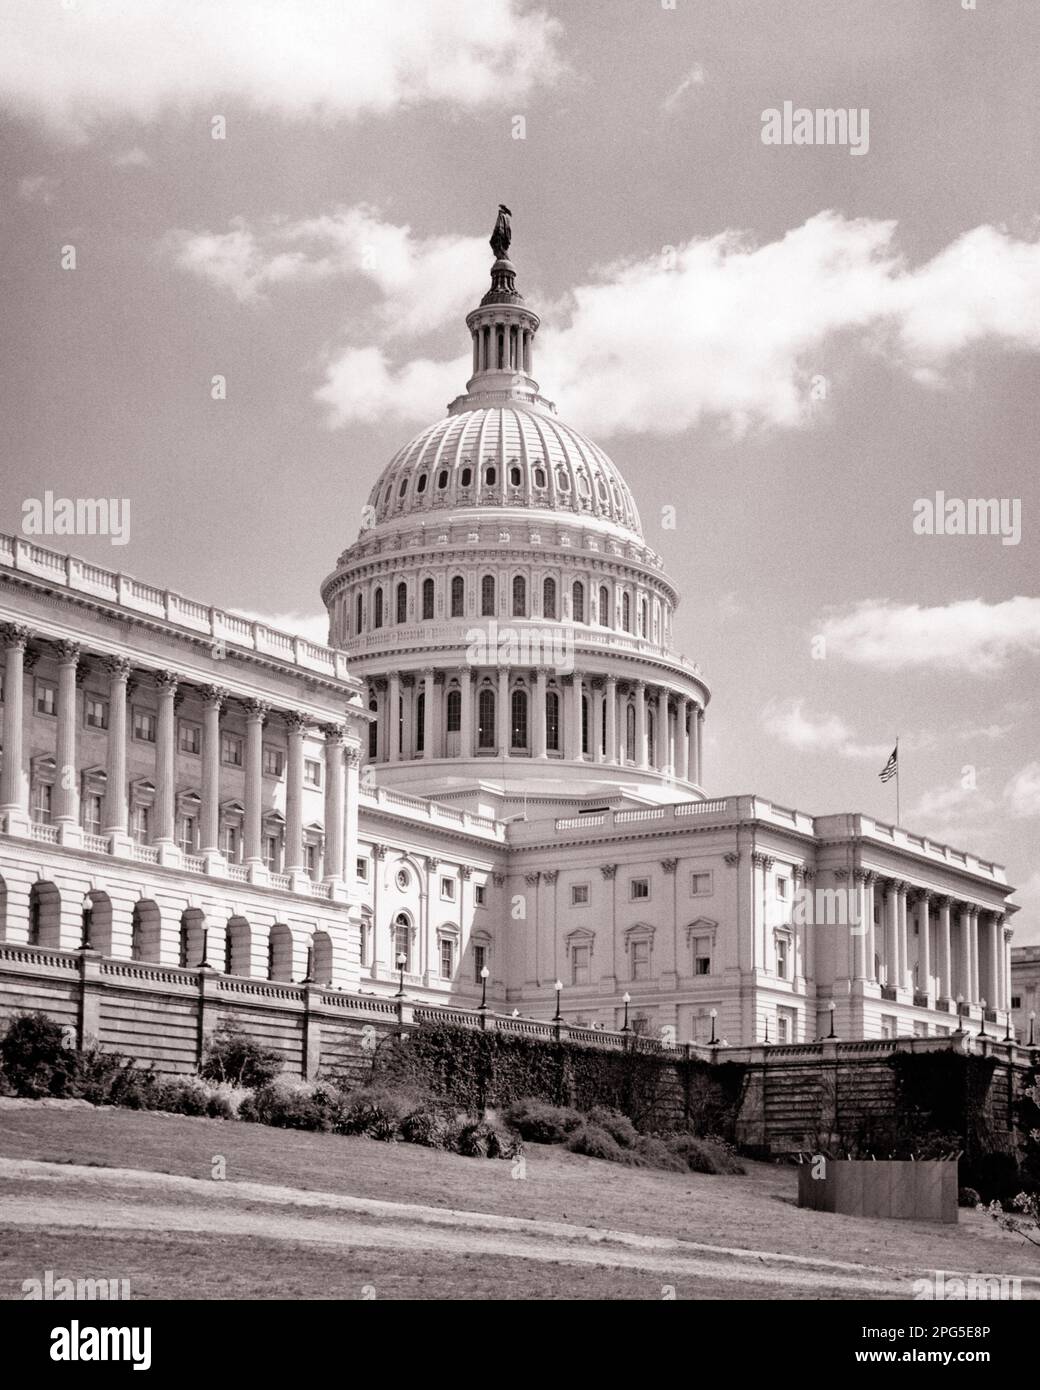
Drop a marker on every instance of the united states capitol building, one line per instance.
(491, 784)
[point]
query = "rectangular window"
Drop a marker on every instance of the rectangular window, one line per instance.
(92, 814)
(140, 819)
(312, 772)
(364, 947)
(1016, 1001)
(189, 737)
(361, 869)
(920, 1030)
(702, 955)
(700, 885)
(46, 698)
(448, 889)
(639, 889)
(581, 957)
(447, 958)
(782, 957)
(579, 894)
(274, 761)
(231, 750)
(187, 834)
(640, 960)
(42, 803)
(783, 1026)
(271, 853)
(479, 961)
(888, 1025)
(95, 712)
(479, 894)
(781, 887)
(310, 859)
(232, 841)
(144, 726)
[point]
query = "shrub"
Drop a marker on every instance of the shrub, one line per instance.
(618, 1126)
(596, 1142)
(702, 1156)
(653, 1152)
(429, 1126)
(541, 1123)
(233, 1057)
(289, 1104)
(109, 1078)
(36, 1058)
(968, 1197)
(480, 1139)
(378, 1111)
(183, 1095)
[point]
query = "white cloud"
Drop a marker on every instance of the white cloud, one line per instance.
(954, 813)
(675, 98)
(313, 626)
(969, 635)
(828, 733)
(422, 282)
(361, 387)
(134, 158)
(1027, 922)
(74, 67)
(1023, 791)
(38, 188)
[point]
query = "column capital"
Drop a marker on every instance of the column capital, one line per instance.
(256, 709)
(334, 733)
(117, 666)
(15, 634)
(295, 720)
(766, 860)
(943, 900)
(353, 757)
(214, 695)
(167, 681)
(608, 870)
(864, 875)
(68, 652)
(669, 865)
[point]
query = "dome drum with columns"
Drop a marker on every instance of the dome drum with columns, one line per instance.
(512, 626)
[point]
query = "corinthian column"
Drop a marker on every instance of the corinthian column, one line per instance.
(256, 713)
(642, 751)
(682, 738)
(924, 939)
(213, 698)
(612, 721)
(67, 809)
(334, 799)
(295, 723)
(943, 951)
(663, 750)
(165, 759)
(14, 792)
(393, 726)
(540, 749)
(115, 822)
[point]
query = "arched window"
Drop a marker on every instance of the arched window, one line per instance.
(518, 711)
(402, 602)
(377, 617)
(486, 718)
(552, 721)
(420, 722)
(549, 598)
(539, 477)
(442, 479)
(514, 477)
(427, 598)
(421, 484)
(373, 729)
(642, 618)
(403, 488)
(578, 601)
(604, 606)
(402, 941)
(626, 612)
(487, 596)
(458, 596)
(454, 715)
(651, 737)
(630, 733)
(359, 613)
(490, 474)
(585, 725)
(519, 596)
(466, 477)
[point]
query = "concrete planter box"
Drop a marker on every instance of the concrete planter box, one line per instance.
(893, 1189)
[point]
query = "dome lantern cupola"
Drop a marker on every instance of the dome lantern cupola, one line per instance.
(502, 328)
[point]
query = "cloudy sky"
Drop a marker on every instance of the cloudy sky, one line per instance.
(788, 344)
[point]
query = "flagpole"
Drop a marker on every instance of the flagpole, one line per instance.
(897, 780)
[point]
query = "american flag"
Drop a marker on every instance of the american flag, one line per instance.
(891, 767)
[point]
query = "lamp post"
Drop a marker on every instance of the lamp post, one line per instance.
(1008, 1036)
(627, 998)
(713, 1015)
(88, 912)
(960, 1014)
(982, 1006)
(484, 973)
(310, 967)
(830, 1009)
(402, 961)
(204, 962)
(558, 987)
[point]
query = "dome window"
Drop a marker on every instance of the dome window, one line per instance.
(386, 495)
(539, 477)
(601, 489)
(563, 482)
(490, 474)
(421, 484)
(458, 596)
(583, 485)
(442, 479)
(514, 476)
(467, 477)
(403, 488)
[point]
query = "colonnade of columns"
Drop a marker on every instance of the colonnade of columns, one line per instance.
(170, 688)
(936, 945)
(581, 717)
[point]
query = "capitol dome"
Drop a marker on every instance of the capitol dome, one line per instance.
(515, 455)
(512, 625)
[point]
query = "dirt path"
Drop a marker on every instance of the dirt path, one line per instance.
(67, 1197)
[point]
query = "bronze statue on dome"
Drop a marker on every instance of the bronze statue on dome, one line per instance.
(502, 235)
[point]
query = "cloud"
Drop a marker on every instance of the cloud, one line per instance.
(1027, 922)
(38, 188)
(75, 67)
(135, 158)
(736, 332)
(421, 283)
(360, 387)
(1023, 791)
(674, 99)
(970, 635)
(313, 626)
(950, 813)
(786, 720)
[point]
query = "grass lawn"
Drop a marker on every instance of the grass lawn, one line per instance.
(398, 1221)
